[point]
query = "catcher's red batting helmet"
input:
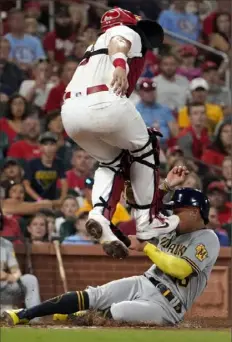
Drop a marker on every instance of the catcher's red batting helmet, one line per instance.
(117, 16)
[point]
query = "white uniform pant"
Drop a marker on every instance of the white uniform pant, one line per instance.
(104, 124)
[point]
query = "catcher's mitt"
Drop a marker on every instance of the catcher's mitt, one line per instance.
(128, 193)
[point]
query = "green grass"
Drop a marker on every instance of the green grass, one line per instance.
(111, 335)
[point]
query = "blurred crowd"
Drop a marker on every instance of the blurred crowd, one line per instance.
(46, 180)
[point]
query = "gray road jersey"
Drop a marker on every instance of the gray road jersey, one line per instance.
(7, 257)
(201, 250)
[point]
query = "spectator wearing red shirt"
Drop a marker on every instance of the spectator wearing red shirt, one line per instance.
(209, 20)
(82, 163)
(9, 228)
(194, 138)
(60, 42)
(221, 146)
(216, 192)
(11, 125)
(27, 148)
(55, 97)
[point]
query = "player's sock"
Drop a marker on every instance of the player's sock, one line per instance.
(67, 303)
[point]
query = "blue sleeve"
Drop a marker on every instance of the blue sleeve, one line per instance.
(164, 20)
(168, 115)
(10, 41)
(39, 51)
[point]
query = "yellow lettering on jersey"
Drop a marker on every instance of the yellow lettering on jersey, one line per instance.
(176, 249)
(165, 242)
(201, 252)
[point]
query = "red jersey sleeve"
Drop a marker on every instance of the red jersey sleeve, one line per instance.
(49, 42)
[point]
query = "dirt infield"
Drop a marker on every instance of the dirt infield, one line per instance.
(93, 320)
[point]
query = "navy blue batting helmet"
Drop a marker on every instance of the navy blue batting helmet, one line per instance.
(189, 197)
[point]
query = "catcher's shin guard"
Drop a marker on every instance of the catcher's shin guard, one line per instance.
(148, 156)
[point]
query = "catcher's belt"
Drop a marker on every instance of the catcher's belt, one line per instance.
(166, 292)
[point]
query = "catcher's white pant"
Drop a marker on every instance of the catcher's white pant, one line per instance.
(104, 124)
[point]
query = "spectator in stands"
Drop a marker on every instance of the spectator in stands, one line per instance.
(33, 11)
(173, 154)
(221, 146)
(120, 215)
(31, 26)
(220, 39)
(54, 125)
(51, 222)
(25, 49)
(188, 54)
(81, 162)
(90, 35)
(11, 76)
(79, 49)
(37, 228)
(36, 90)
(171, 88)
(14, 203)
(11, 170)
(9, 228)
(227, 175)
(216, 192)
(154, 114)
(15, 286)
(59, 43)
(55, 97)
(79, 18)
(209, 20)
(178, 21)
(28, 147)
(79, 237)
(42, 173)
(192, 181)
(194, 139)
(199, 92)
(17, 111)
(68, 211)
(216, 94)
(215, 225)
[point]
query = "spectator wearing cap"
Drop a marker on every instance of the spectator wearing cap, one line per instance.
(178, 21)
(188, 54)
(216, 94)
(54, 125)
(28, 147)
(199, 91)
(172, 89)
(55, 97)
(194, 139)
(81, 169)
(42, 173)
(11, 76)
(79, 236)
(215, 225)
(217, 195)
(221, 146)
(33, 11)
(25, 49)
(16, 112)
(59, 43)
(36, 90)
(154, 114)
(120, 215)
(11, 170)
